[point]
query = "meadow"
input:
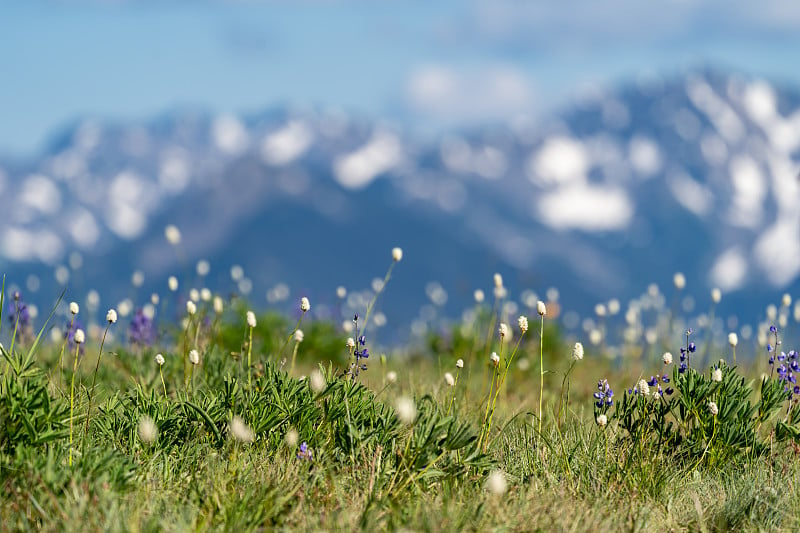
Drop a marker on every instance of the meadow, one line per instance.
(222, 418)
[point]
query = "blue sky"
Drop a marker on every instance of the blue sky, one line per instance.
(422, 64)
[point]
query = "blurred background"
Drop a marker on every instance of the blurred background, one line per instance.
(587, 151)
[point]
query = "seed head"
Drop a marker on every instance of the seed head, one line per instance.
(299, 335)
(148, 431)
(667, 358)
(523, 323)
(111, 316)
(73, 308)
(786, 301)
(498, 280)
(194, 357)
(251, 319)
(602, 420)
(219, 305)
(351, 343)
(713, 409)
(205, 294)
(397, 254)
(240, 431)
(460, 363)
(577, 352)
(191, 307)
(291, 438)
(541, 308)
(172, 283)
(305, 305)
(391, 376)
(80, 336)
(716, 375)
(478, 295)
(406, 410)
(159, 359)
(679, 280)
(496, 483)
(449, 379)
(733, 339)
(643, 387)
(494, 358)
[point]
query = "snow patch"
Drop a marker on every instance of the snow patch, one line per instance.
(586, 207)
(357, 169)
(287, 144)
(729, 270)
(230, 135)
(692, 195)
(560, 160)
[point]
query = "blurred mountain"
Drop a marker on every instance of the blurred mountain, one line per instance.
(696, 173)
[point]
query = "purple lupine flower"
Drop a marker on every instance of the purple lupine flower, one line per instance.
(141, 331)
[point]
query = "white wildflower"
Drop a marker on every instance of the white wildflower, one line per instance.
(494, 358)
(496, 483)
(194, 357)
(173, 234)
(80, 336)
(397, 254)
(667, 358)
(449, 379)
(73, 308)
(643, 387)
(478, 295)
(299, 335)
(251, 319)
(540, 308)
(786, 301)
(317, 380)
(241, 431)
(159, 359)
(713, 409)
(577, 351)
(291, 438)
(148, 431)
(391, 376)
(205, 294)
(716, 375)
(679, 280)
(111, 316)
(350, 343)
(460, 363)
(172, 283)
(523, 323)
(716, 295)
(305, 305)
(191, 307)
(219, 305)
(602, 420)
(503, 329)
(406, 410)
(733, 339)
(498, 280)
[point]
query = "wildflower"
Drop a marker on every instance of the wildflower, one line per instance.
(496, 483)
(406, 410)
(786, 301)
(605, 394)
(251, 319)
(397, 254)
(679, 280)
(643, 388)
(191, 307)
(494, 358)
(716, 375)
(240, 430)
(80, 336)
(141, 330)
(203, 267)
(73, 308)
(172, 283)
(391, 376)
(600, 310)
(577, 352)
(317, 381)
(304, 453)
(291, 438)
(712, 408)
(159, 359)
(137, 278)
(111, 316)
(667, 358)
(498, 280)
(503, 330)
(218, 305)
(460, 363)
(148, 431)
(602, 420)
(351, 343)
(716, 295)
(205, 294)
(733, 339)
(173, 235)
(305, 305)
(540, 308)
(478, 295)
(194, 357)
(299, 335)
(449, 379)
(523, 323)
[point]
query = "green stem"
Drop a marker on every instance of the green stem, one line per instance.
(94, 380)
(72, 398)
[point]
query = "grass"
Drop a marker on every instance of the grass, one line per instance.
(370, 464)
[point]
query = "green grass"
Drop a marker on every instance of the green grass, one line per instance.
(369, 470)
